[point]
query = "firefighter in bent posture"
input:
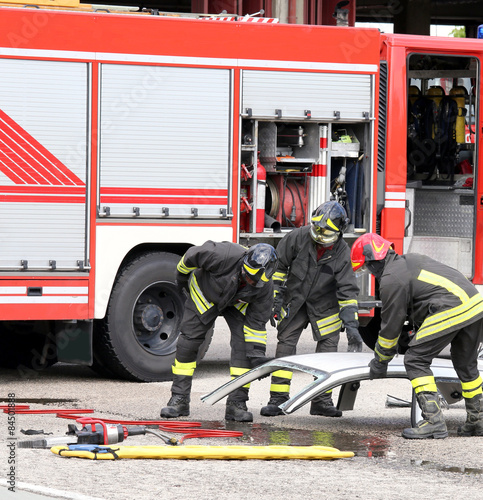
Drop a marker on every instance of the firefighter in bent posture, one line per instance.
(223, 279)
(314, 283)
(445, 308)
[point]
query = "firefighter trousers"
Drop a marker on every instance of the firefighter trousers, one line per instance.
(287, 346)
(192, 336)
(464, 353)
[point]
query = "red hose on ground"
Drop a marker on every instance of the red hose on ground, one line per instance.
(189, 429)
(26, 411)
(181, 427)
(14, 407)
(168, 423)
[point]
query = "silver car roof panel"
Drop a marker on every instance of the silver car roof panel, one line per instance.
(330, 370)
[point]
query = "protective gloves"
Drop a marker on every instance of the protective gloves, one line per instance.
(354, 340)
(377, 369)
(276, 313)
(278, 302)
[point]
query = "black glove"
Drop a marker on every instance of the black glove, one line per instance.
(277, 308)
(278, 303)
(377, 369)
(354, 340)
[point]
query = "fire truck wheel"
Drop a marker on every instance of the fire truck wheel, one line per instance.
(137, 338)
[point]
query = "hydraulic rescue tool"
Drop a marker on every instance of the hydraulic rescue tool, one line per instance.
(99, 432)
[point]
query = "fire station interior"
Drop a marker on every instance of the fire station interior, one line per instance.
(442, 157)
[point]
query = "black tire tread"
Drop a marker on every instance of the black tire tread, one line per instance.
(108, 362)
(105, 352)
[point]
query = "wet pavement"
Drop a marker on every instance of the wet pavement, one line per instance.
(261, 434)
(448, 468)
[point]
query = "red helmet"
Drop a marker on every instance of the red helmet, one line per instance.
(369, 247)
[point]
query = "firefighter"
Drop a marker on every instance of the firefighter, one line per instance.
(223, 279)
(314, 283)
(444, 308)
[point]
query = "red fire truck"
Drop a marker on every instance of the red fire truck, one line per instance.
(127, 138)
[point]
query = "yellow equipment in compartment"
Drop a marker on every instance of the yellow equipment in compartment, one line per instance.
(460, 94)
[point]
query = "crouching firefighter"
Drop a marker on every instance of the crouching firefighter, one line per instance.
(314, 283)
(445, 308)
(223, 279)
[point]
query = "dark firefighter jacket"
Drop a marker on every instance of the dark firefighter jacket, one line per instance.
(328, 286)
(214, 286)
(437, 298)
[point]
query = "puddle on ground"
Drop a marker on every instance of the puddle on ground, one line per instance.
(266, 434)
(360, 445)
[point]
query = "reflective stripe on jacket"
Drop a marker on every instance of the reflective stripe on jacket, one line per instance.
(214, 285)
(327, 286)
(437, 298)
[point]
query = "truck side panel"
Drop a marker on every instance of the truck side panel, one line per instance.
(43, 164)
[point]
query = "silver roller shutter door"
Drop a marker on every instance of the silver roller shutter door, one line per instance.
(43, 163)
(295, 92)
(164, 140)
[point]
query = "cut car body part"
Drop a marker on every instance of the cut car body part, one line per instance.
(397, 402)
(344, 370)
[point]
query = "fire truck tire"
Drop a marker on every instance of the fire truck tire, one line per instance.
(99, 368)
(137, 338)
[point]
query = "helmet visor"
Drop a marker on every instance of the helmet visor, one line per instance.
(255, 277)
(323, 235)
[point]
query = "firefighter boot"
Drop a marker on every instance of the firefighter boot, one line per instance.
(236, 406)
(273, 406)
(324, 406)
(178, 406)
(237, 411)
(474, 419)
(433, 425)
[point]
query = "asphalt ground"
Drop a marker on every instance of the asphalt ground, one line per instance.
(385, 465)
